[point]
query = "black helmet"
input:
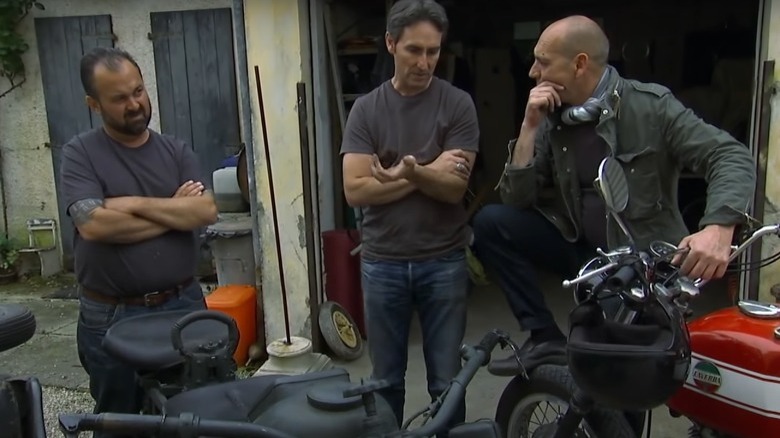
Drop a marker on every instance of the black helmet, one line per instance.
(636, 366)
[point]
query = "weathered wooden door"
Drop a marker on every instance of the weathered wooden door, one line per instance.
(196, 82)
(62, 42)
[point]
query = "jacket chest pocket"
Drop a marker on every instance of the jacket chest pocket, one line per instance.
(644, 187)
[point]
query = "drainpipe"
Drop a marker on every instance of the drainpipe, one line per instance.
(3, 194)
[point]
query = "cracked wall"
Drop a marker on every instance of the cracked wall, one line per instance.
(274, 44)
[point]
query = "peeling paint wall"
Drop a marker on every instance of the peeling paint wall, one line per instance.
(27, 164)
(275, 40)
(770, 275)
(275, 37)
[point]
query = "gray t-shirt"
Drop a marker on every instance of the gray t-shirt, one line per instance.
(96, 166)
(385, 123)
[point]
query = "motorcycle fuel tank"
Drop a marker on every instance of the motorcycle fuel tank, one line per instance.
(733, 385)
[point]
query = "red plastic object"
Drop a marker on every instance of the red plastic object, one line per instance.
(342, 273)
(240, 302)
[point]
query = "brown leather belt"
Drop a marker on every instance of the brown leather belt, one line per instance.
(152, 299)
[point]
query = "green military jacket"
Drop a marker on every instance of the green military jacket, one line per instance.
(654, 137)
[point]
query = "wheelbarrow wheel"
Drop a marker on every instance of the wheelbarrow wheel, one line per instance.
(340, 331)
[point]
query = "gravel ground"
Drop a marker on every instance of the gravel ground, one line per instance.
(60, 400)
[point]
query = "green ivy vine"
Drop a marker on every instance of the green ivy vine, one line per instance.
(12, 44)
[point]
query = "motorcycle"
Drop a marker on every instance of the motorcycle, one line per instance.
(21, 404)
(722, 374)
(191, 388)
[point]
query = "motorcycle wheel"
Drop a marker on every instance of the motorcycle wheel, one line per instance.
(552, 384)
(17, 325)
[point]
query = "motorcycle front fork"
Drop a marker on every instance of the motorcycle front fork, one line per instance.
(566, 426)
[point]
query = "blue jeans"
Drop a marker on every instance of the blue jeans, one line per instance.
(113, 385)
(514, 242)
(437, 289)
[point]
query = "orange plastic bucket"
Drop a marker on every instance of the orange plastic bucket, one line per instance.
(240, 302)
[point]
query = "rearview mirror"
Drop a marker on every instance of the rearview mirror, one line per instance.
(613, 185)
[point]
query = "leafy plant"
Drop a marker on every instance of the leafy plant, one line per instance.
(12, 44)
(9, 254)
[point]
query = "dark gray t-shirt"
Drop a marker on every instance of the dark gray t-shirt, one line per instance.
(96, 166)
(385, 123)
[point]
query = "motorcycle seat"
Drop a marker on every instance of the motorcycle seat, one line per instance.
(144, 341)
(21, 407)
(245, 399)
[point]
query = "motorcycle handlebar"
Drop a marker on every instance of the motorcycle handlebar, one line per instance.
(761, 232)
(589, 275)
(476, 357)
(758, 234)
(622, 278)
(71, 424)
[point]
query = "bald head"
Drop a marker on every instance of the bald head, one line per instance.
(579, 34)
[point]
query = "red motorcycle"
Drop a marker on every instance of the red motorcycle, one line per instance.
(733, 387)
(721, 371)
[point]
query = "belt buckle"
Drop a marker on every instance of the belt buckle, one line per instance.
(149, 300)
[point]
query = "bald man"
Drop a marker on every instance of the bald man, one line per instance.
(579, 112)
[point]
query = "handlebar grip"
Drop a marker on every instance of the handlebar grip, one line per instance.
(622, 277)
(489, 341)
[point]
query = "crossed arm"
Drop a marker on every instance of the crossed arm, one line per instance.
(366, 182)
(131, 219)
(446, 178)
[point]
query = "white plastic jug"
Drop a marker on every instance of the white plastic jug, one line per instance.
(227, 194)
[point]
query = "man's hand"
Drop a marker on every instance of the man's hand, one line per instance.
(708, 252)
(398, 172)
(454, 161)
(542, 100)
(361, 187)
(189, 188)
(129, 204)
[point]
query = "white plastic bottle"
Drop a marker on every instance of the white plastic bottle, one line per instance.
(227, 193)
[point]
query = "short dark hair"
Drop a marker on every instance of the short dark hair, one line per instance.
(110, 57)
(405, 13)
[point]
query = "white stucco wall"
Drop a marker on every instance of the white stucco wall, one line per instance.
(274, 42)
(27, 164)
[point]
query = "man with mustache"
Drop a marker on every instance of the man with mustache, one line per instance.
(136, 198)
(581, 111)
(408, 149)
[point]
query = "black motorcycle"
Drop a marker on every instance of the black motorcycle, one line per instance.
(191, 388)
(21, 404)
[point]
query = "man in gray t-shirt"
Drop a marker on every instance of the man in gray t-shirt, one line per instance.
(135, 198)
(408, 149)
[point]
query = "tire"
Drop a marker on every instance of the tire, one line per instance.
(340, 331)
(553, 381)
(17, 325)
